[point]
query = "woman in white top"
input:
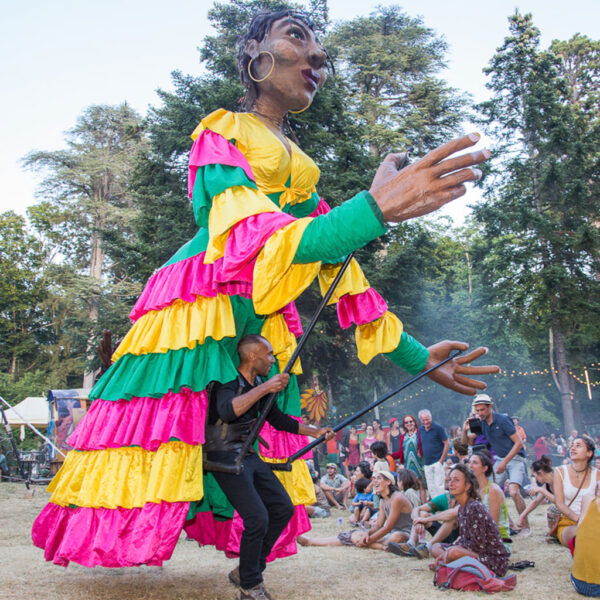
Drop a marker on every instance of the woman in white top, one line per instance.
(568, 479)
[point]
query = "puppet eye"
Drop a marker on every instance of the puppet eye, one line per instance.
(296, 32)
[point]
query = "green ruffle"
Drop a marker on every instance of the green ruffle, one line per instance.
(192, 248)
(410, 354)
(212, 180)
(153, 375)
(214, 501)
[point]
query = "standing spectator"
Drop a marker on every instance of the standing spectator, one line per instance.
(353, 449)
(336, 487)
(571, 438)
(509, 464)
(342, 440)
(410, 453)
(540, 447)
(378, 431)
(394, 435)
(520, 431)
(435, 444)
(365, 445)
(383, 460)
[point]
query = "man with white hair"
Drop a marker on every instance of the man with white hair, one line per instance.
(434, 441)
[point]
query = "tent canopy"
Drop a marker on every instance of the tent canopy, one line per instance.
(33, 410)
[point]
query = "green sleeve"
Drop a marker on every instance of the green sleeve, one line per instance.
(346, 228)
(410, 354)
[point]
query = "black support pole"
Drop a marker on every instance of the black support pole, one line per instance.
(287, 466)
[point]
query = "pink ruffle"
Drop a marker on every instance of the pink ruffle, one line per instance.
(292, 319)
(360, 308)
(109, 537)
(231, 274)
(281, 443)
(322, 209)
(187, 279)
(210, 148)
(226, 535)
(144, 422)
(246, 239)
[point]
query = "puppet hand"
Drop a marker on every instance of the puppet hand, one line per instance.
(452, 374)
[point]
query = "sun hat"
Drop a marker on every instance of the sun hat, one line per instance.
(387, 475)
(332, 465)
(482, 399)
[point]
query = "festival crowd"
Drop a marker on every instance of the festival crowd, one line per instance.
(413, 490)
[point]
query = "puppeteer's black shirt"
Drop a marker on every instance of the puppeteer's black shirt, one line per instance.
(221, 406)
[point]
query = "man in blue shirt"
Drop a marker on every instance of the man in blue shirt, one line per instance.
(434, 441)
(502, 436)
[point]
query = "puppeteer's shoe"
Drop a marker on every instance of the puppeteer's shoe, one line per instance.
(234, 577)
(258, 592)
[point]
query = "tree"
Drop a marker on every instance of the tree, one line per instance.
(389, 63)
(87, 185)
(540, 254)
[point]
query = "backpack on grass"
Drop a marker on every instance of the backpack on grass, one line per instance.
(468, 574)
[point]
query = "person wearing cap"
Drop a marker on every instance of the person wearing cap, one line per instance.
(335, 486)
(509, 465)
(393, 524)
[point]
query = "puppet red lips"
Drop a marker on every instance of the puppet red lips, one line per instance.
(311, 77)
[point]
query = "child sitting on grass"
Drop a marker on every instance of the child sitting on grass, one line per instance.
(362, 505)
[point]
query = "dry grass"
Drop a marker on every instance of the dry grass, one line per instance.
(201, 573)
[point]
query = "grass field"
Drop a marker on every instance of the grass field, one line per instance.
(201, 573)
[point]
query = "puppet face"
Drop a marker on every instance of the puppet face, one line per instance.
(299, 69)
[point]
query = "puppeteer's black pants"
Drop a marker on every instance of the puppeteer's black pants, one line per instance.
(265, 508)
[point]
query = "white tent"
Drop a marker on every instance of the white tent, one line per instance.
(32, 410)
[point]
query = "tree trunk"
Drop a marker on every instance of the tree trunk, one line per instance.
(563, 381)
(96, 262)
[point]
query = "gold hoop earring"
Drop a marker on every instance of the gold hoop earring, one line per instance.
(268, 74)
(297, 112)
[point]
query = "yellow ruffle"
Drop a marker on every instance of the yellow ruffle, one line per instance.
(284, 343)
(228, 208)
(382, 335)
(297, 483)
(129, 477)
(182, 324)
(353, 280)
(277, 281)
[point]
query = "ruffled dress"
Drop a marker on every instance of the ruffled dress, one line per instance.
(134, 480)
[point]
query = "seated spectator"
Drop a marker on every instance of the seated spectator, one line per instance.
(460, 452)
(320, 509)
(572, 483)
(492, 495)
(479, 536)
(408, 484)
(336, 487)
(393, 521)
(585, 572)
(4, 470)
(541, 488)
(443, 527)
(362, 504)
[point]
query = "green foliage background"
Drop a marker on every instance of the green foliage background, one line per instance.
(526, 261)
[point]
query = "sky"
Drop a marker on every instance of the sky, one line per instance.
(57, 58)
